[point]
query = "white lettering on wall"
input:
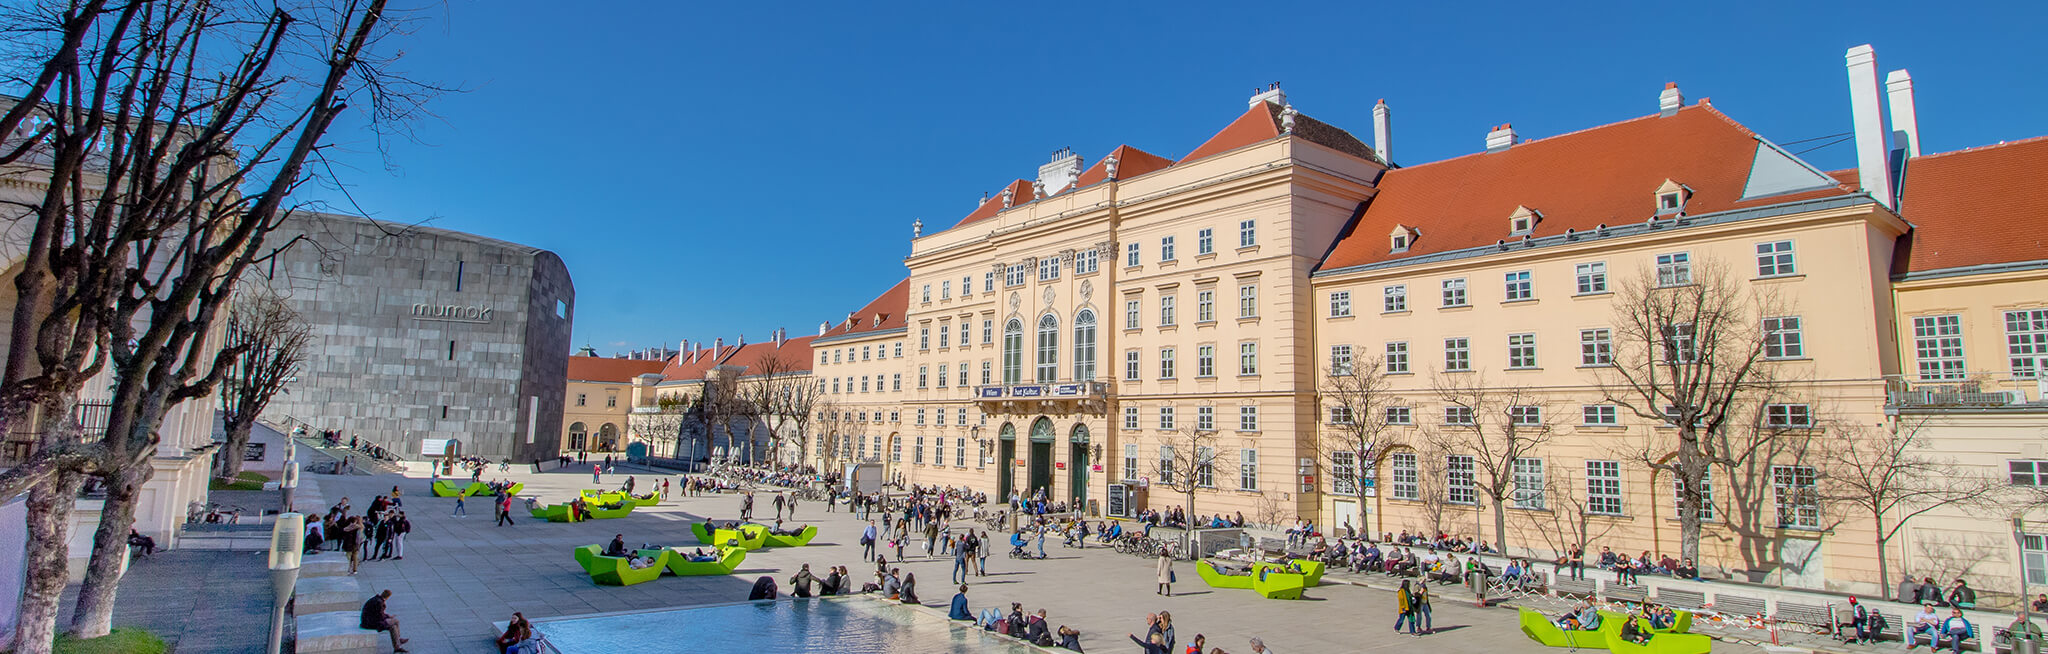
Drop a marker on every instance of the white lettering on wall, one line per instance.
(451, 312)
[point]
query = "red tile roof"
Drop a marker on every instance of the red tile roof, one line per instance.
(693, 364)
(1260, 122)
(1130, 162)
(794, 356)
(1021, 193)
(1975, 207)
(1606, 174)
(602, 369)
(885, 312)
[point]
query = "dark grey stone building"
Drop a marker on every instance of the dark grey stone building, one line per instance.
(425, 338)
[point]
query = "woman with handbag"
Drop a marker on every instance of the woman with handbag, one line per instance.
(1165, 573)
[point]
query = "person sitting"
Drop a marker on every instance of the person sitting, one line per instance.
(1956, 628)
(638, 562)
(2022, 629)
(2041, 603)
(989, 619)
(1036, 631)
(145, 546)
(1961, 595)
(1069, 638)
(891, 585)
(1859, 622)
(908, 591)
(1632, 631)
(764, 589)
(700, 556)
(1927, 622)
(1686, 570)
(617, 547)
(517, 632)
(959, 609)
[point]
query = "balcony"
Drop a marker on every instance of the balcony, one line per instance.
(1971, 392)
(1058, 397)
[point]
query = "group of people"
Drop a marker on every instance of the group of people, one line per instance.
(1159, 638)
(376, 535)
(1925, 591)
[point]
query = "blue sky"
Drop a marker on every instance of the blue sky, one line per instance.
(715, 169)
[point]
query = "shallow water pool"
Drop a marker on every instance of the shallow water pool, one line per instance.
(850, 626)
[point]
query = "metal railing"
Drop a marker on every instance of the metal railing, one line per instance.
(1965, 391)
(1048, 391)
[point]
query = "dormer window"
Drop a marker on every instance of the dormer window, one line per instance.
(1523, 221)
(1401, 238)
(1671, 197)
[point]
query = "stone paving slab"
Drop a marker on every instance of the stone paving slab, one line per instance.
(197, 601)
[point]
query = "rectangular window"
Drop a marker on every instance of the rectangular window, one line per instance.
(1454, 292)
(987, 372)
(1130, 417)
(1400, 415)
(1247, 233)
(1166, 464)
(1396, 298)
(864, 383)
(1166, 418)
(1205, 467)
(1166, 363)
(1525, 416)
(1596, 347)
(1130, 470)
(1205, 306)
(1458, 477)
(1247, 358)
(927, 295)
(1341, 415)
(921, 376)
(2027, 472)
(1247, 301)
(1344, 473)
(835, 385)
(1340, 304)
(1131, 254)
(920, 451)
(1130, 314)
(1340, 360)
(942, 375)
(896, 382)
(864, 352)
(2026, 338)
(1603, 487)
(1086, 261)
(2034, 555)
(1013, 275)
(967, 286)
(580, 399)
(1678, 344)
(1048, 268)
(1706, 509)
(1247, 469)
(988, 331)
(960, 452)
(1205, 418)
(940, 414)
(1248, 418)
(1205, 361)
(1397, 357)
(898, 349)
(988, 282)
(1167, 315)
(1131, 365)
(1783, 338)
(1797, 498)
(1592, 277)
(1458, 415)
(938, 450)
(1674, 269)
(451, 350)
(1600, 415)
(1407, 484)
(1166, 249)
(1938, 347)
(1518, 287)
(1521, 350)
(924, 338)
(1529, 484)
(960, 416)
(946, 290)
(945, 335)
(1774, 259)
(1205, 241)
(920, 416)
(1794, 416)
(1457, 354)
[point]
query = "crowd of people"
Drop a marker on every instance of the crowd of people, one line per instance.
(376, 535)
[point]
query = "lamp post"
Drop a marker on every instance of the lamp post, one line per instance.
(287, 545)
(2019, 538)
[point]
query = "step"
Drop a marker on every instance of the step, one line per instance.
(324, 564)
(330, 593)
(337, 631)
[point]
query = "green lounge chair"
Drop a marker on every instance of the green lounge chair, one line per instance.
(1273, 584)
(605, 497)
(1539, 628)
(802, 538)
(550, 512)
(1664, 643)
(702, 530)
(1312, 571)
(644, 502)
(729, 559)
(617, 570)
(444, 489)
(622, 510)
(1216, 579)
(749, 536)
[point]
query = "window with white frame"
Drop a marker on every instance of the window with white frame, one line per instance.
(1248, 418)
(1517, 287)
(1454, 292)
(1400, 415)
(1457, 414)
(1130, 417)
(1247, 469)
(1247, 301)
(1167, 314)
(946, 290)
(924, 338)
(939, 417)
(1790, 416)
(1396, 298)
(986, 375)
(1205, 241)
(1407, 482)
(967, 286)
(1205, 306)
(1521, 350)
(1205, 467)
(1048, 268)
(2034, 558)
(1205, 418)
(1340, 304)
(1130, 470)
(960, 416)
(1247, 233)
(1013, 351)
(1706, 508)
(864, 352)
(1084, 345)
(1603, 487)
(1457, 354)
(988, 282)
(896, 450)
(1592, 277)
(945, 335)
(1131, 371)
(1674, 269)
(1131, 254)
(1397, 357)
(1938, 347)
(1783, 338)
(1798, 500)
(1774, 259)
(1166, 249)
(938, 450)
(1166, 464)
(1131, 313)
(988, 329)
(2026, 339)
(1600, 415)
(1458, 478)
(2027, 472)
(898, 349)
(1340, 360)
(1248, 358)
(1013, 275)
(1205, 361)
(1048, 349)
(1166, 417)
(1344, 473)
(920, 416)
(1529, 484)
(923, 376)
(1679, 345)
(1525, 415)
(927, 293)
(1596, 347)
(896, 381)
(1167, 369)
(1086, 261)
(1341, 415)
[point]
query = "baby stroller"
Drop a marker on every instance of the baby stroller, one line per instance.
(1017, 551)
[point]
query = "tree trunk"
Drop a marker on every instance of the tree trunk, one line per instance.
(1500, 526)
(1884, 571)
(228, 461)
(49, 532)
(94, 614)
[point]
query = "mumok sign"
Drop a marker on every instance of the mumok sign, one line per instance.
(451, 312)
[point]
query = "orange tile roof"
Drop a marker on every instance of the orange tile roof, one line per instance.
(1258, 123)
(885, 312)
(603, 369)
(1975, 207)
(1607, 174)
(1021, 193)
(794, 353)
(692, 365)
(1130, 162)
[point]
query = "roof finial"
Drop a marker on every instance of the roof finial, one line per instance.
(917, 228)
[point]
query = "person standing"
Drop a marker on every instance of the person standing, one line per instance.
(1165, 570)
(460, 511)
(867, 542)
(1404, 604)
(800, 585)
(931, 538)
(982, 548)
(779, 502)
(959, 564)
(747, 506)
(351, 542)
(399, 528)
(792, 506)
(1420, 603)
(596, 475)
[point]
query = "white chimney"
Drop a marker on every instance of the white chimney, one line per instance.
(1905, 121)
(716, 347)
(1271, 94)
(1500, 138)
(1866, 112)
(824, 327)
(1383, 131)
(1670, 100)
(1063, 169)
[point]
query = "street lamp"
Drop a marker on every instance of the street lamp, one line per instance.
(287, 545)
(2019, 537)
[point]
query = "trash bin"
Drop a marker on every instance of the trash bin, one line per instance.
(1478, 582)
(2026, 646)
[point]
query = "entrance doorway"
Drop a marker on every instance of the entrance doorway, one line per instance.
(1006, 451)
(1077, 460)
(1041, 458)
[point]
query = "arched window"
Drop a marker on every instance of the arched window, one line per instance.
(1013, 351)
(1048, 349)
(1084, 345)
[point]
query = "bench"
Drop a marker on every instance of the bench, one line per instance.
(1968, 643)
(323, 594)
(1681, 599)
(1586, 588)
(336, 631)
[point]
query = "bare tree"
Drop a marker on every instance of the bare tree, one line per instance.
(1491, 430)
(770, 391)
(1891, 474)
(1688, 352)
(833, 420)
(1354, 435)
(662, 428)
(270, 342)
(1562, 519)
(1432, 473)
(1188, 465)
(801, 398)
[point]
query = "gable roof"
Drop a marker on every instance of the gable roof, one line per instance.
(605, 369)
(1262, 122)
(692, 365)
(1130, 162)
(1607, 174)
(1020, 194)
(1975, 207)
(884, 312)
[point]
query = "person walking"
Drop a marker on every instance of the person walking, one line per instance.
(505, 509)
(1404, 604)
(1165, 570)
(351, 542)
(1420, 603)
(867, 542)
(460, 510)
(959, 564)
(779, 503)
(982, 548)
(399, 528)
